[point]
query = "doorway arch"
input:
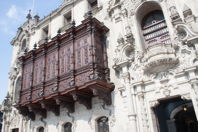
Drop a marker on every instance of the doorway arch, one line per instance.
(185, 120)
(176, 115)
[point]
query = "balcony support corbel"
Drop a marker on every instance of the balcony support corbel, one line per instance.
(37, 109)
(25, 112)
(65, 102)
(82, 99)
(54, 108)
(105, 95)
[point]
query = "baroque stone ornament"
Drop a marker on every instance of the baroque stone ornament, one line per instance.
(125, 52)
(186, 35)
(159, 57)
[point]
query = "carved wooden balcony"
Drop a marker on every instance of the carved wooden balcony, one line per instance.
(72, 67)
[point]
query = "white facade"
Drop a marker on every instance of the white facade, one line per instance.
(143, 76)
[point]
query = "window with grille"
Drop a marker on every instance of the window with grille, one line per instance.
(103, 124)
(155, 29)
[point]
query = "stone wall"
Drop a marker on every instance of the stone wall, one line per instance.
(141, 76)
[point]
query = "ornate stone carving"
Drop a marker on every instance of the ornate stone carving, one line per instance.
(186, 97)
(175, 15)
(125, 52)
(186, 35)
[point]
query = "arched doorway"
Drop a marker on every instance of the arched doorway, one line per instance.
(176, 115)
(185, 120)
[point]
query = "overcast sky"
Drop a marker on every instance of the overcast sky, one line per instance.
(12, 15)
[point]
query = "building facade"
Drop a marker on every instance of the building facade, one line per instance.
(1, 119)
(151, 50)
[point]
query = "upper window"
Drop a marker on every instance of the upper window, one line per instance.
(103, 124)
(67, 127)
(152, 18)
(67, 18)
(45, 32)
(41, 129)
(155, 29)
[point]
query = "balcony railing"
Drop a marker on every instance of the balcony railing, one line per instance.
(72, 67)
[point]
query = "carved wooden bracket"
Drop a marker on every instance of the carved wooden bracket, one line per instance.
(54, 108)
(82, 99)
(102, 94)
(37, 109)
(25, 112)
(65, 102)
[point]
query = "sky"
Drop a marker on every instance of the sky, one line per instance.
(12, 15)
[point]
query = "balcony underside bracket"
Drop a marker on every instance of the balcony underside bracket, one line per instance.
(49, 107)
(25, 112)
(84, 100)
(105, 95)
(65, 103)
(37, 109)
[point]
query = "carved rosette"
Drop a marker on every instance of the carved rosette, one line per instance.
(159, 57)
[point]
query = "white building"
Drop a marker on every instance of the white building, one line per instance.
(152, 56)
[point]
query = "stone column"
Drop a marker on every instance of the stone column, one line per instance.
(130, 101)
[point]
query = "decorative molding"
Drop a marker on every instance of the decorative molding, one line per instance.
(186, 96)
(176, 19)
(159, 57)
(125, 51)
(154, 103)
(186, 35)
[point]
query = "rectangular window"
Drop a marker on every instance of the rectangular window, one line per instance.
(45, 32)
(67, 18)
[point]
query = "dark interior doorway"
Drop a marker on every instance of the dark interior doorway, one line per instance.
(186, 121)
(176, 115)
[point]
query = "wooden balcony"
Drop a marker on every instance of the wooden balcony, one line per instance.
(72, 67)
